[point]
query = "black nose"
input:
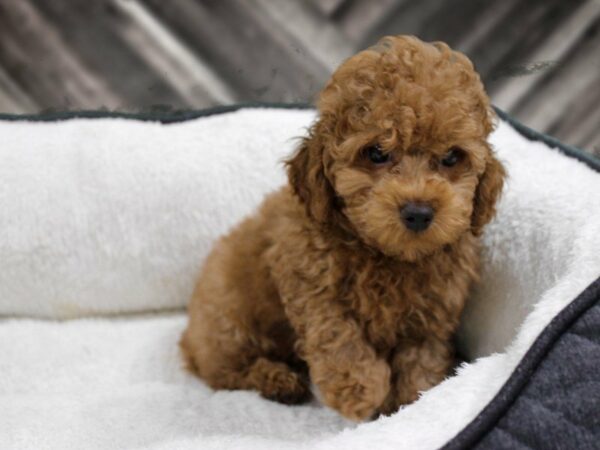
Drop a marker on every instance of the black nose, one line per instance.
(416, 216)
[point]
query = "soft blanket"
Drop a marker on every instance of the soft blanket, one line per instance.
(106, 221)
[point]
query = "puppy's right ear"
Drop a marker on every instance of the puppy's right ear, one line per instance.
(306, 174)
(487, 193)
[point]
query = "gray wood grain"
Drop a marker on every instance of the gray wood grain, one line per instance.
(62, 80)
(573, 80)
(253, 54)
(90, 30)
(538, 58)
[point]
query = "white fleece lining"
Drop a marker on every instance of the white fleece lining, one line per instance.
(110, 216)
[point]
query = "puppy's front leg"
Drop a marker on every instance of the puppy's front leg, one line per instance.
(417, 367)
(342, 364)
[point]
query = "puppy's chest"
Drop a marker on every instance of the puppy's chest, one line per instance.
(397, 303)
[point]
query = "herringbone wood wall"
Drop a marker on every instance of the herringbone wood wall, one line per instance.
(540, 59)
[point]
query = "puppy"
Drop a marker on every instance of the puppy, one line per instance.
(354, 275)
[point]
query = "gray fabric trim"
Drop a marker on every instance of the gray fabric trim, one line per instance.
(551, 399)
(150, 116)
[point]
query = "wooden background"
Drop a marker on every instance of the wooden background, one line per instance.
(539, 59)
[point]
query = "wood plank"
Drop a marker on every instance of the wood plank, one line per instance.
(63, 81)
(520, 58)
(574, 79)
(579, 126)
(490, 55)
(251, 51)
(91, 29)
(360, 20)
(8, 104)
(481, 26)
(593, 143)
(452, 21)
(13, 99)
(326, 7)
(170, 58)
(316, 34)
(553, 48)
(585, 134)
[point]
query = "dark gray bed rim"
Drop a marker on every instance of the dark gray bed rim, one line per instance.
(497, 407)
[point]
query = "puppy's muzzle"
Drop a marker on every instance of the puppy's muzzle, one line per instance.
(416, 216)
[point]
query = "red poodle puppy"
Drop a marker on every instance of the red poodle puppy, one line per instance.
(354, 275)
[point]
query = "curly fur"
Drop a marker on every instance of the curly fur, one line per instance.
(325, 283)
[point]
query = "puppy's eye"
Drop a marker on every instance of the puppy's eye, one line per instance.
(376, 156)
(453, 157)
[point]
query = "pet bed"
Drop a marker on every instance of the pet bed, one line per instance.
(106, 219)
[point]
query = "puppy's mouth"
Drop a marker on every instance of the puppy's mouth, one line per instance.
(411, 230)
(409, 221)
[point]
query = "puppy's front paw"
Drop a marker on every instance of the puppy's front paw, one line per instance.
(357, 394)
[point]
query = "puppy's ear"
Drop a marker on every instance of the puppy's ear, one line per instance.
(306, 173)
(487, 193)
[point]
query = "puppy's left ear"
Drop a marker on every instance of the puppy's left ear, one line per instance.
(487, 193)
(306, 174)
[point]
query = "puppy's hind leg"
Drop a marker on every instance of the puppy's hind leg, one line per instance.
(238, 336)
(230, 349)
(274, 380)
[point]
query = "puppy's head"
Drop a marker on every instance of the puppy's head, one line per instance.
(399, 152)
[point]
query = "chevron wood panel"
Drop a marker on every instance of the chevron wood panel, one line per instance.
(540, 59)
